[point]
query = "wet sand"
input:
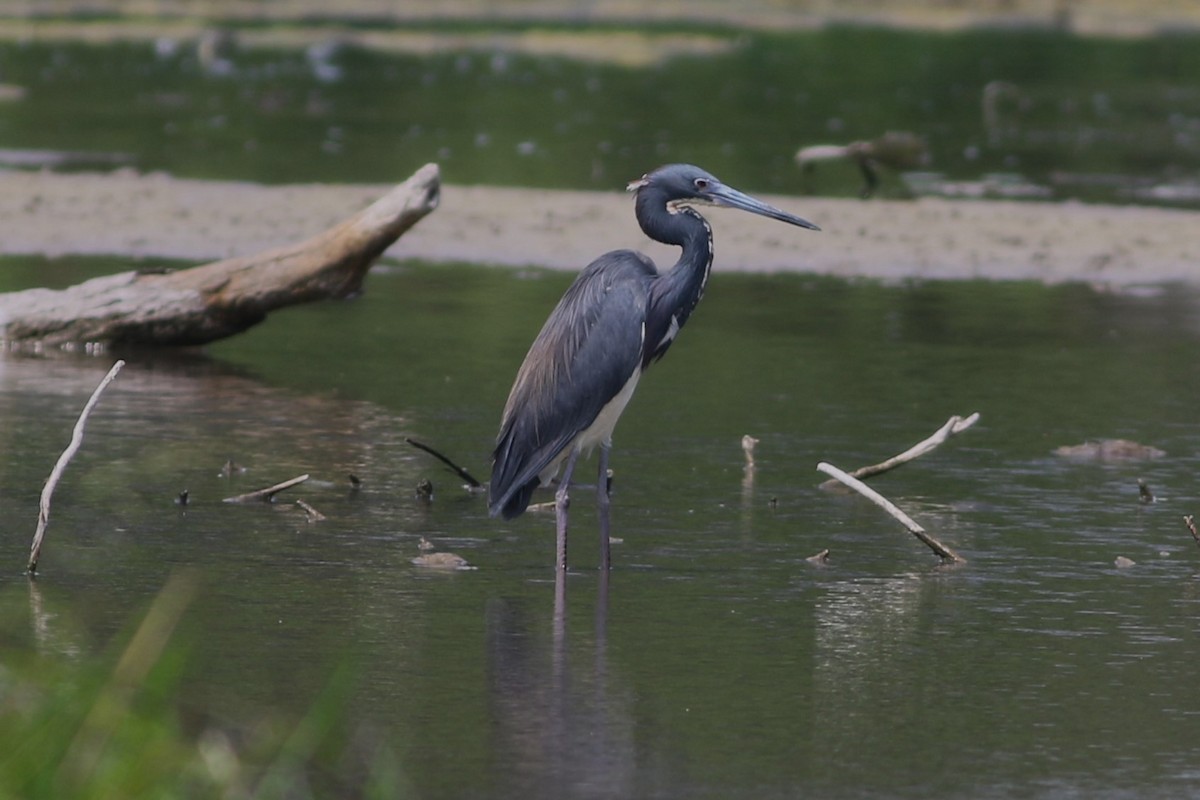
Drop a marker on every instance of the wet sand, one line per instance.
(147, 217)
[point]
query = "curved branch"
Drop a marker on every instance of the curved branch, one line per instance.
(955, 424)
(60, 466)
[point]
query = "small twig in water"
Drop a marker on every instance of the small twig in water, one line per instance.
(442, 561)
(1190, 521)
(268, 494)
(230, 468)
(748, 443)
(460, 471)
(887, 505)
(310, 513)
(955, 424)
(35, 551)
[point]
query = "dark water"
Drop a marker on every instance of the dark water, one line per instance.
(717, 662)
(1095, 119)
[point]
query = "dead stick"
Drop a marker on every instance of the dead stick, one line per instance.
(460, 471)
(266, 494)
(955, 424)
(887, 505)
(35, 551)
(312, 514)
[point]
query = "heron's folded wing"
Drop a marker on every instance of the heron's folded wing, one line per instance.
(585, 354)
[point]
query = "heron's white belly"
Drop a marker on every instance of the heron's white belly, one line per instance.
(600, 431)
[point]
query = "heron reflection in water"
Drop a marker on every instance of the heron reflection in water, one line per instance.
(618, 317)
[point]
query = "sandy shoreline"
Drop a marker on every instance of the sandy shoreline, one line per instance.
(90, 18)
(156, 216)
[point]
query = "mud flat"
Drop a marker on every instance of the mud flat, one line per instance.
(147, 217)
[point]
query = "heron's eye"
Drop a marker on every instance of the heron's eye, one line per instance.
(701, 184)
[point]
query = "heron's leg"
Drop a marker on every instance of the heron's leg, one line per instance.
(562, 502)
(602, 504)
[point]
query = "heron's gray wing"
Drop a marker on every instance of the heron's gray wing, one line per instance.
(585, 354)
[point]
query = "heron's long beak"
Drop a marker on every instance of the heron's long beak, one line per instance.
(723, 195)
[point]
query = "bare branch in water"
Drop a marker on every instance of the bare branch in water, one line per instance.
(460, 471)
(748, 443)
(268, 494)
(955, 424)
(35, 551)
(310, 513)
(875, 497)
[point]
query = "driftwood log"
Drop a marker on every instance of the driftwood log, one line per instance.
(209, 302)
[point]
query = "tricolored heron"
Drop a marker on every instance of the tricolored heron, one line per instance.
(619, 316)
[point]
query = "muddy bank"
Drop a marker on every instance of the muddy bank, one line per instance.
(1084, 17)
(149, 217)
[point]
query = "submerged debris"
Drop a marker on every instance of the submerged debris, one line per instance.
(1109, 450)
(310, 513)
(820, 559)
(231, 467)
(448, 561)
(1190, 521)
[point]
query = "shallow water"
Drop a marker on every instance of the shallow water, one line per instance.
(716, 661)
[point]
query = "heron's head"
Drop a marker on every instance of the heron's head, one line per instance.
(686, 185)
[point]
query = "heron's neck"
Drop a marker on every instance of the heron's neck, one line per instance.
(684, 284)
(675, 293)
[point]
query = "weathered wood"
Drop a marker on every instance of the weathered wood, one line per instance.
(941, 550)
(209, 302)
(267, 495)
(60, 466)
(955, 424)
